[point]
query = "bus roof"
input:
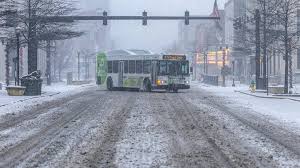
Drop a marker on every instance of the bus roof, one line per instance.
(135, 54)
(129, 52)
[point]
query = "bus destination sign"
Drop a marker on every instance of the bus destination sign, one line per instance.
(174, 57)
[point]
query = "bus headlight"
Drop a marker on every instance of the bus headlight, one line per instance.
(187, 82)
(161, 82)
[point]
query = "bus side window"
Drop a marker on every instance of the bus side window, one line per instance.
(109, 67)
(147, 67)
(126, 66)
(115, 66)
(131, 67)
(139, 67)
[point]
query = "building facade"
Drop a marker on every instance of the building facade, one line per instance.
(204, 39)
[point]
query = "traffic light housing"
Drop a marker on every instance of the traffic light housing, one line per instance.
(187, 17)
(145, 15)
(105, 18)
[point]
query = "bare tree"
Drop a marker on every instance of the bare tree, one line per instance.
(35, 30)
(287, 19)
(246, 33)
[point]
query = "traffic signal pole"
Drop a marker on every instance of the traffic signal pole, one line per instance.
(144, 18)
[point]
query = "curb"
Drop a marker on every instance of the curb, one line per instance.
(44, 94)
(31, 98)
(267, 97)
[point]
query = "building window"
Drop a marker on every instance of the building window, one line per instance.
(139, 67)
(298, 59)
(125, 66)
(131, 66)
(147, 67)
(109, 67)
(115, 66)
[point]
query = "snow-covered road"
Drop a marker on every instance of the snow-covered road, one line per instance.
(97, 128)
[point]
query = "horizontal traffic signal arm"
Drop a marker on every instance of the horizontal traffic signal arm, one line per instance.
(76, 18)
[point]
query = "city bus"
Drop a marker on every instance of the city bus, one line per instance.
(143, 70)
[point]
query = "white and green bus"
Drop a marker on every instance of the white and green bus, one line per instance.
(143, 70)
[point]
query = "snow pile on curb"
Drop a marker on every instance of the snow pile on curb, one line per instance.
(11, 104)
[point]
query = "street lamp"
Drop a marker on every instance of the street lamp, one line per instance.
(17, 31)
(233, 73)
(225, 50)
(5, 41)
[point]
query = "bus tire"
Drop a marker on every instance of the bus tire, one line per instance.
(109, 84)
(147, 85)
(175, 90)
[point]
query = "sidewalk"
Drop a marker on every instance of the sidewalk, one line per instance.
(57, 90)
(285, 109)
(264, 95)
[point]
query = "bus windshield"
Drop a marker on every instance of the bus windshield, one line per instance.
(173, 68)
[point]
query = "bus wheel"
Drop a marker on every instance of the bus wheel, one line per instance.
(109, 84)
(175, 90)
(147, 86)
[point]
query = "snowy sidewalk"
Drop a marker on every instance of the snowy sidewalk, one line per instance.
(281, 108)
(264, 95)
(55, 91)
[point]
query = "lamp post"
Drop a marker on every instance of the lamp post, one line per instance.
(224, 64)
(18, 54)
(6, 42)
(233, 74)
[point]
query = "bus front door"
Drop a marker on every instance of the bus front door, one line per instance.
(154, 68)
(121, 73)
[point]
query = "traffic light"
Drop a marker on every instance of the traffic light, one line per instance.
(187, 17)
(145, 15)
(105, 18)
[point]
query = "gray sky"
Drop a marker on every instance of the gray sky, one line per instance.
(157, 34)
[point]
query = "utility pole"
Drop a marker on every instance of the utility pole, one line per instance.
(233, 73)
(18, 57)
(290, 66)
(48, 59)
(86, 66)
(224, 64)
(264, 45)
(7, 72)
(78, 54)
(257, 55)
(206, 63)
(195, 68)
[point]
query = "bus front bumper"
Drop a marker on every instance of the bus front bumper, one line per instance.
(176, 86)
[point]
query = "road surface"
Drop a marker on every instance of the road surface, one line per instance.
(98, 128)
